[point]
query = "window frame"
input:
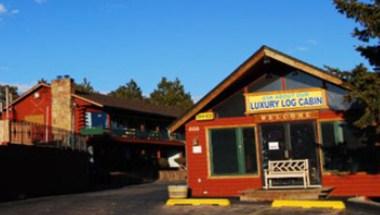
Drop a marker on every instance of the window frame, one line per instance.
(322, 154)
(209, 153)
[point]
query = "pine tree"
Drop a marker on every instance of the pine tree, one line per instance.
(365, 90)
(367, 15)
(12, 91)
(84, 87)
(172, 94)
(365, 85)
(129, 90)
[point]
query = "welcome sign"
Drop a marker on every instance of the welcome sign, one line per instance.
(304, 99)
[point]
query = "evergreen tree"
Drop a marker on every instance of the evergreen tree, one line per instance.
(365, 85)
(12, 91)
(84, 87)
(172, 94)
(42, 80)
(365, 90)
(367, 15)
(128, 91)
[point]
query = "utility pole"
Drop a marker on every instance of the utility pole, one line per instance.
(7, 102)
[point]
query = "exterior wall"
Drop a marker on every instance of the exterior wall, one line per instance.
(359, 184)
(201, 184)
(204, 185)
(80, 109)
(35, 108)
(39, 109)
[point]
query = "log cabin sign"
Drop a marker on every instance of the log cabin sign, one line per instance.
(286, 100)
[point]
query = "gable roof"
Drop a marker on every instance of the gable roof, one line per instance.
(101, 100)
(27, 93)
(263, 52)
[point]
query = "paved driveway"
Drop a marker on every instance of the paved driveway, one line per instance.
(143, 199)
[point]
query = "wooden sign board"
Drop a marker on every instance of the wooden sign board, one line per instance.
(286, 100)
(205, 116)
(289, 116)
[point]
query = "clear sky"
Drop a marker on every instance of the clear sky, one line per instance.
(198, 41)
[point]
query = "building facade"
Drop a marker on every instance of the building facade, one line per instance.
(274, 107)
(122, 133)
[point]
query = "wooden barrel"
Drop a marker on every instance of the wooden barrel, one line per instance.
(177, 191)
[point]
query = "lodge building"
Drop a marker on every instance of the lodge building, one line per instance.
(275, 108)
(124, 135)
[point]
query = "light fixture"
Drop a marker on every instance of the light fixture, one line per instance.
(36, 95)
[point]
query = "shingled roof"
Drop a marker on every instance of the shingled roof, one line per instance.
(129, 104)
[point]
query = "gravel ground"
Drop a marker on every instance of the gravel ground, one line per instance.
(149, 199)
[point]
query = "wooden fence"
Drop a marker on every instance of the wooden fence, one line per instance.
(26, 133)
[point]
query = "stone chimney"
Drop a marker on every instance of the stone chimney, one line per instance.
(61, 108)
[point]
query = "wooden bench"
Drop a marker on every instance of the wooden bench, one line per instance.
(287, 169)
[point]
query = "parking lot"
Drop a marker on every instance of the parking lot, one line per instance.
(147, 199)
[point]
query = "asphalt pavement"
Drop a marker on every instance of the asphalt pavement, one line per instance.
(149, 199)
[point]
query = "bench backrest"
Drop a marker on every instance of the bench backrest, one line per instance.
(288, 165)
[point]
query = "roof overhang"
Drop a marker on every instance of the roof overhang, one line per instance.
(87, 100)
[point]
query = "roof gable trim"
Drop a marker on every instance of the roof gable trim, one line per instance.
(87, 100)
(27, 93)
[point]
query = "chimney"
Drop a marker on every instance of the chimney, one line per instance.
(61, 108)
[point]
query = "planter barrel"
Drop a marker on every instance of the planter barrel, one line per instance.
(177, 191)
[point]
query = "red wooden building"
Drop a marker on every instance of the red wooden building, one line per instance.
(124, 131)
(274, 107)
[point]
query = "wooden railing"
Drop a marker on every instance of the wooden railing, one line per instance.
(26, 133)
(133, 133)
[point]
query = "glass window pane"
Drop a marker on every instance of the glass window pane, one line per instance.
(224, 151)
(328, 138)
(233, 151)
(249, 150)
(342, 148)
(330, 145)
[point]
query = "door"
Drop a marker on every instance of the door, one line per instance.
(291, 140)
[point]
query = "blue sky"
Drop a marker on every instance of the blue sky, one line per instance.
(198, 41)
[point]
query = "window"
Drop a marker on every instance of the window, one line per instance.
(344, 148)
(96, 120)
(232, 106)
(233, 151)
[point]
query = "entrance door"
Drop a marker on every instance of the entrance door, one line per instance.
(291, 140)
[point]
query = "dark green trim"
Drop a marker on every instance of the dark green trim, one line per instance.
(240, 150)
(92, 131)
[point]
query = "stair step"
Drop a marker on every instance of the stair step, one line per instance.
(293, 194)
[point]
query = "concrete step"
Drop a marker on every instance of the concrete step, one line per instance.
(256, 195)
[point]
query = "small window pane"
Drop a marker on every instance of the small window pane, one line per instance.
(249, 150)
(333, 152)
(224, 151)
